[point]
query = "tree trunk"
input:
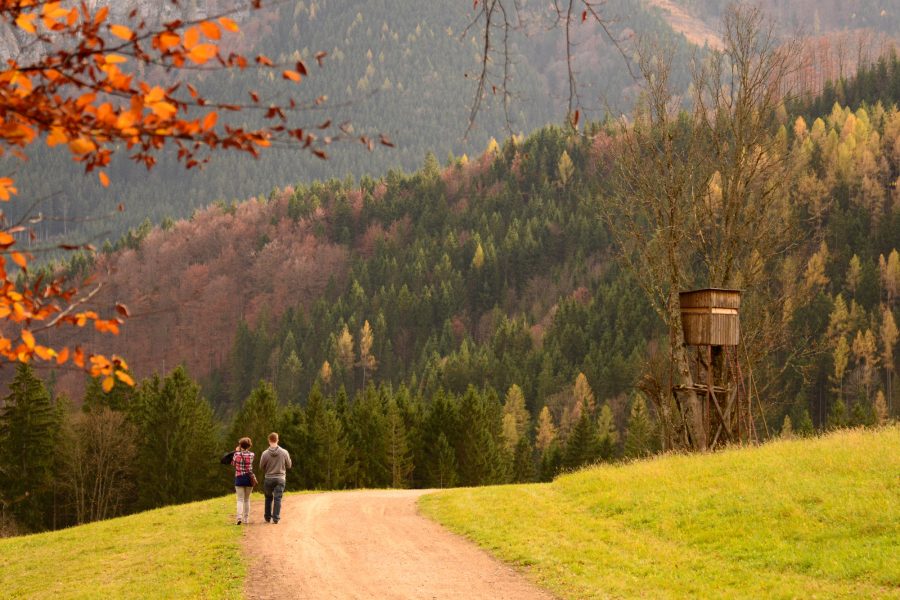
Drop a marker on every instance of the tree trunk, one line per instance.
(691, 407)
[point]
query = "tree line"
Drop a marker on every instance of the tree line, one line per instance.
(157, 444)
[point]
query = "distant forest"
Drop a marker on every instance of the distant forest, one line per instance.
(461, 325)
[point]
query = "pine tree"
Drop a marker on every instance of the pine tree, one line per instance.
(293, 434)
(30, 429)
(289, 377)
(546, 433)
(787, 428)
(607, 434)
(480, 456)
(118, 398)
(584, 395)
(523, 461)
(177, 447)
(399, 460)
(366, 359)
(516, 419)
(880, 409)
(805, 426)
(332, 456)
(582, 447)
(367, 432)
(256, 419)
(443, 469)
(639, 434)
(837, 416)
(551, 462)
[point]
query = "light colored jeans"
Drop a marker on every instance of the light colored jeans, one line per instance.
(243, 502)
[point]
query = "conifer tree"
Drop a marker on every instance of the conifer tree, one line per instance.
(639, 434)
(582, 447)
(584, 395)
(332, 455)
(837, 416)
(368, 434)
(880, 409)
(443, 467)
(293, 434)
(289, 377)
(551, 462)
(804, 424)
(178, 452)
(516, 419)
(366, 360)
(117, 399)
(30, 428)
(523, 461)
(479, 452)
(256, 419)
(889, 336)
(399, 460)
(546, 433)
(607, 434)
(787, 428)
(439, 433)
(344, 350)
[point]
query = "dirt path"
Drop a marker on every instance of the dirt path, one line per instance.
(370, 544)
(696, 31)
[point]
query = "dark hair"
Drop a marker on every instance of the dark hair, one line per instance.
(245, 443)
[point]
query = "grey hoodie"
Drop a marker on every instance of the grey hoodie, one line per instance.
(274, 462)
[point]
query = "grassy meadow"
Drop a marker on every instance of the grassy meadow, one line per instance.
(815, 518)
(186, 551)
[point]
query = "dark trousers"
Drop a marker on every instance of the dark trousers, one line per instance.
(273, 489)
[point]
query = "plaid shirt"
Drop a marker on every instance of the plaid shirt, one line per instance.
(243, 462)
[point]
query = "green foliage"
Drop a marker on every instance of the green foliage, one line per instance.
(639, 432)
(178, 448)
(30, 425)
(256, 419)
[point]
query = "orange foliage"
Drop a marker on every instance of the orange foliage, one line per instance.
(85, 93)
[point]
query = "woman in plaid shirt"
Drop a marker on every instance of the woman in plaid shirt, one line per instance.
(243, 478)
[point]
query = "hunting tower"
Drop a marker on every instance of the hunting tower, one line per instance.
(711, 323)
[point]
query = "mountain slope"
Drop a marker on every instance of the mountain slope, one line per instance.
(789, 519)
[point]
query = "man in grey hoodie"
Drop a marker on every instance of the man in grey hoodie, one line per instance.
(274, 462)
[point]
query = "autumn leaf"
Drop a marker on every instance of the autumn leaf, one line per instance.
(19, 259)
(120, 31)
(292, 75)
(7, 189)
(229, 24)
(201, 53)
(108, 383)
(28, 339)
(6, 240)
(25, 21)
(125, 378)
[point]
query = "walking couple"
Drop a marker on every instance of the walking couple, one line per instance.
(274, 463)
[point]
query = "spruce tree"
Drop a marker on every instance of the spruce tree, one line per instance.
(30, 428)
(330, 462)
(443, 467)
(482, 460)
(805, 425)
(439, 440)
(256, 419)
(639, 434)
(523, 461)
(178, 450)
(837, 416)
(294, 437)
(368, 434)
(582, 447)
(787, 428)
(607, 434)
(399, 459)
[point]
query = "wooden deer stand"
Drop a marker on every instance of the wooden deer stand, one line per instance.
(711, 323)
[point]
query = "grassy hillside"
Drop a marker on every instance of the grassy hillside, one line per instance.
(804, 518)
(186, 551)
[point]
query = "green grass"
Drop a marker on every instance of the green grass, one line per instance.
(186, 551)
(813, 518)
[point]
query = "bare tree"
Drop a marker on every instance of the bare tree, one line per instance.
(499, 19)
(99, 474)
(702, 197)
